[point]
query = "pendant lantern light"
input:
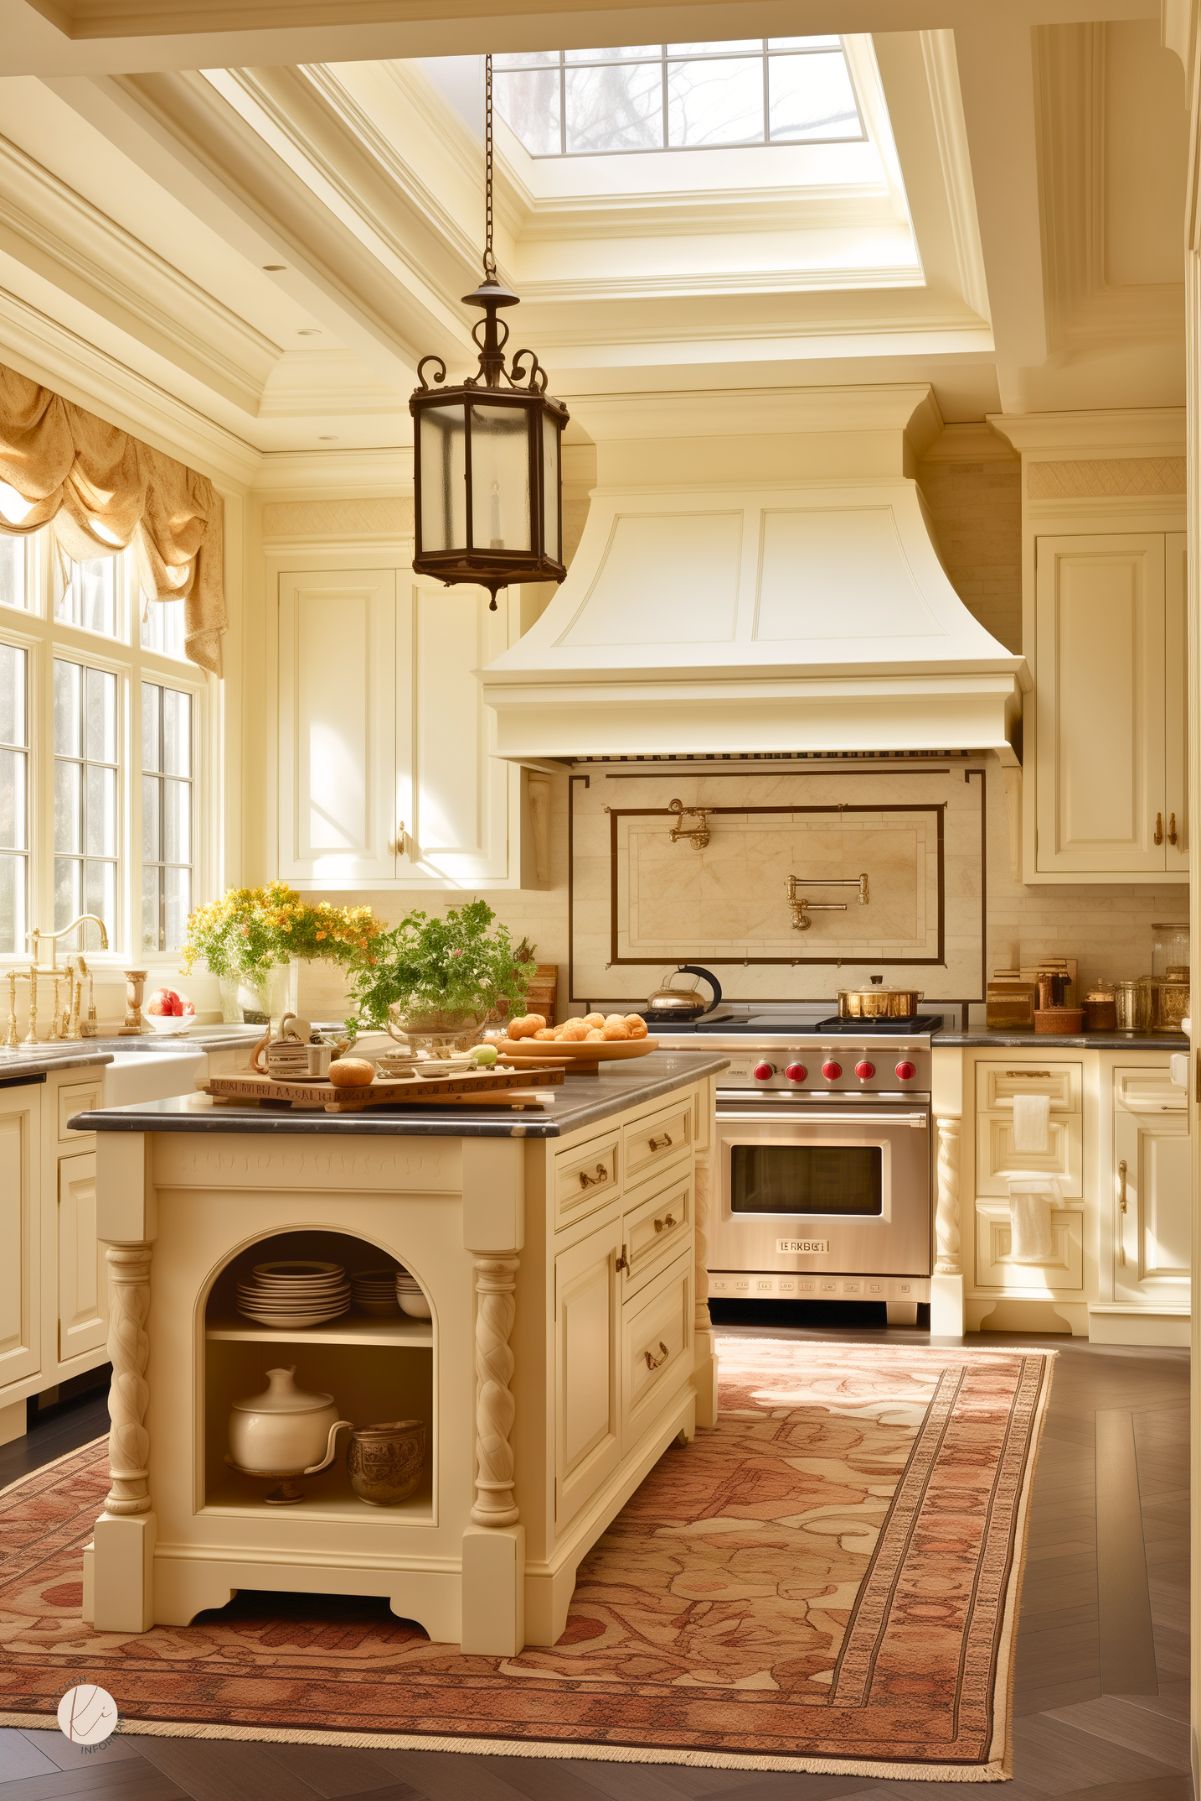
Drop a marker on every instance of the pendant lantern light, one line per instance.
(488, 464)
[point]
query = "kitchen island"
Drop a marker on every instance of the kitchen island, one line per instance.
(561, 1252)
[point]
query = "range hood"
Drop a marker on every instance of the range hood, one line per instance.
(756, 576)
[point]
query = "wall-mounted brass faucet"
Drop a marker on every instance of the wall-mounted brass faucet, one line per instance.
(697, 835)
(801, 906)
(68, 1021)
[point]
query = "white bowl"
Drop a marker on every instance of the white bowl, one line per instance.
(170, 1025)
(415, 1305)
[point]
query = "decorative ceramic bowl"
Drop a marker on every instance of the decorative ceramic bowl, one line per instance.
(439, 1034)
(386, 1463)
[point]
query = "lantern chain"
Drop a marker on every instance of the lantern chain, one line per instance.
(489, 258)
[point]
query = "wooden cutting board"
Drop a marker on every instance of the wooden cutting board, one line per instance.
(486, 1087)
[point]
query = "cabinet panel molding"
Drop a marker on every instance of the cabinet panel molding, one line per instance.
(20, 1234)
(82, 1300)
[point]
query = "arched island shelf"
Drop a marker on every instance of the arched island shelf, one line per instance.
(562, 1254)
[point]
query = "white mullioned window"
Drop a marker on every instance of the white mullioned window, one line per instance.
(103, 737)
(678, 96)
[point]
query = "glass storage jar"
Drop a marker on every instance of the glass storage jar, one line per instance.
(1170, 951)
(1100, 1008)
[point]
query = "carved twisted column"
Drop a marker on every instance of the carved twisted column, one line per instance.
(495, 1408)
(129, 1392)
(948, 1260)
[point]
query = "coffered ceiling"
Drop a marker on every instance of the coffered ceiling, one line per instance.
(239, 227)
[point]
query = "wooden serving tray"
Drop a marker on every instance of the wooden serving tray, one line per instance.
(486, 1087)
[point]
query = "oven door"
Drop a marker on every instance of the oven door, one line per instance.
(827, 1189)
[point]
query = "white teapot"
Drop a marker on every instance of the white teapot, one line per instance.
(283, 1431)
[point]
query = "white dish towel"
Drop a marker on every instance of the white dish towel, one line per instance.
(1032, 1124)
(1031, 1199)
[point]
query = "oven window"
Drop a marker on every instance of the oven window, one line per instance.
(807, 1179)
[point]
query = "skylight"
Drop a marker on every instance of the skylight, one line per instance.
(749, 91)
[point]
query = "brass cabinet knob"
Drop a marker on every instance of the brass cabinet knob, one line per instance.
(1173, 834)
(653, 1362)
(1157, 835)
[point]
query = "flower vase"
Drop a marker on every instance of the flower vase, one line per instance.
(256, 997)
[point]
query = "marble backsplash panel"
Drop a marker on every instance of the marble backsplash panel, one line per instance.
(641, 903)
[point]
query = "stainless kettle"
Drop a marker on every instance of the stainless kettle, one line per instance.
(687, 1002)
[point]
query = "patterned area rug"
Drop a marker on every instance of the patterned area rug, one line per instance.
(828, 1581)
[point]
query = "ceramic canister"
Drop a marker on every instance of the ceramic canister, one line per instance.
(283, 1429)
(386, 1462)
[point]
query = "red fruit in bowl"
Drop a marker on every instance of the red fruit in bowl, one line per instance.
(186, 1008)
(164, 1002)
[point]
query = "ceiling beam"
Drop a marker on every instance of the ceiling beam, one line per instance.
(62, 37)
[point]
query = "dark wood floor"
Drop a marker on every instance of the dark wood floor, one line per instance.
(1102, 1659)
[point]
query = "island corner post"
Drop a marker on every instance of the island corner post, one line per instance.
(568, 1345)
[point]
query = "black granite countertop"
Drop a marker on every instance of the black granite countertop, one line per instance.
(581, 1101)
(31, 1062)
(1086, 1041)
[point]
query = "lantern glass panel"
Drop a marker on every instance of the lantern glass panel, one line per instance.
(500, 478)
(443, 478)
(550, 489)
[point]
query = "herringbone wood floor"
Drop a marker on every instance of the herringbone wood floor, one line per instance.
(1102, 1660)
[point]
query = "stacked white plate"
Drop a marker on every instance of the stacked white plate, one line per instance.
(295, 1293)
(374, 1290)
(409, 1296)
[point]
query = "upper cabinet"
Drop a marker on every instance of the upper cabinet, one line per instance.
(1110, 743)
(385, 771)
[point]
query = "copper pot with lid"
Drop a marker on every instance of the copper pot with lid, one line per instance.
(687, 1002)
(878, 1002)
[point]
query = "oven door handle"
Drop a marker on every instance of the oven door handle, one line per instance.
(920, 1122)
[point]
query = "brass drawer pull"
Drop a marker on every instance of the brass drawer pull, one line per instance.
(587, 1181)
(653, 1362)
(660, 1144)
(1173, 834)
(1122, 1203)
(668, 1220)
(1017, 1075)
(1157, 835)
(622, 1260)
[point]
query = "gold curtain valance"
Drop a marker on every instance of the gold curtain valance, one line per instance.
(106, 490)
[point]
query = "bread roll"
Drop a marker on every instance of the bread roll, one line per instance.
(544, 1033)
(594, 1019)
(352, 1072)
(615, 1029)
(573, 1032)
(595, 1035)
(637, 1025)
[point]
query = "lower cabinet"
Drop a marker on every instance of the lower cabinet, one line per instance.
(588, 1379)
(82, 1298)
(20, 1235)
(1152, 1189)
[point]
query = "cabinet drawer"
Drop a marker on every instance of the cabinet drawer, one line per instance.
(1148, 1091)
(997, 1160)
(995, 1267)
(656, 1347)
(586, 1177)
(73, 1098)
(997, 1083)
(659, 1139)
(656, 1230)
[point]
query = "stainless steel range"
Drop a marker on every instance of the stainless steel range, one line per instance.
(824, 1154)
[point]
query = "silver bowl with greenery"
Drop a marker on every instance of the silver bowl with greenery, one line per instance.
(433, 980)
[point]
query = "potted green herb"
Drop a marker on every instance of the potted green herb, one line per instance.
(434, 979)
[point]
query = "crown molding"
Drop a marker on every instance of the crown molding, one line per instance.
(315, 474)
(79, 249)
(1115, 432)
(973, 442)
(950, 131)
(50, 353)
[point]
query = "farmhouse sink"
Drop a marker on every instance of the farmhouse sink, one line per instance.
(132, 1076)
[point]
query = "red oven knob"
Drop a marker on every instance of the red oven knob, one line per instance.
(764, 1072)
(865, 1070)
(906, 1071)
(796, 1072)
(831, 1071)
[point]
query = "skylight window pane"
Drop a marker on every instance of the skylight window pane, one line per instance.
(717, 101)
(525, 59)
(615, 107)
(811, 99)
(615, 53)
(722, 49)
(529, 103)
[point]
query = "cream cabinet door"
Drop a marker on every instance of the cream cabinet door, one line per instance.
(1099, 704)
(1176, 701)
(587, 1368)
(463, 798)
(82, 1293)
(20, 1233)
(1153, 1186)
(339, 714)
